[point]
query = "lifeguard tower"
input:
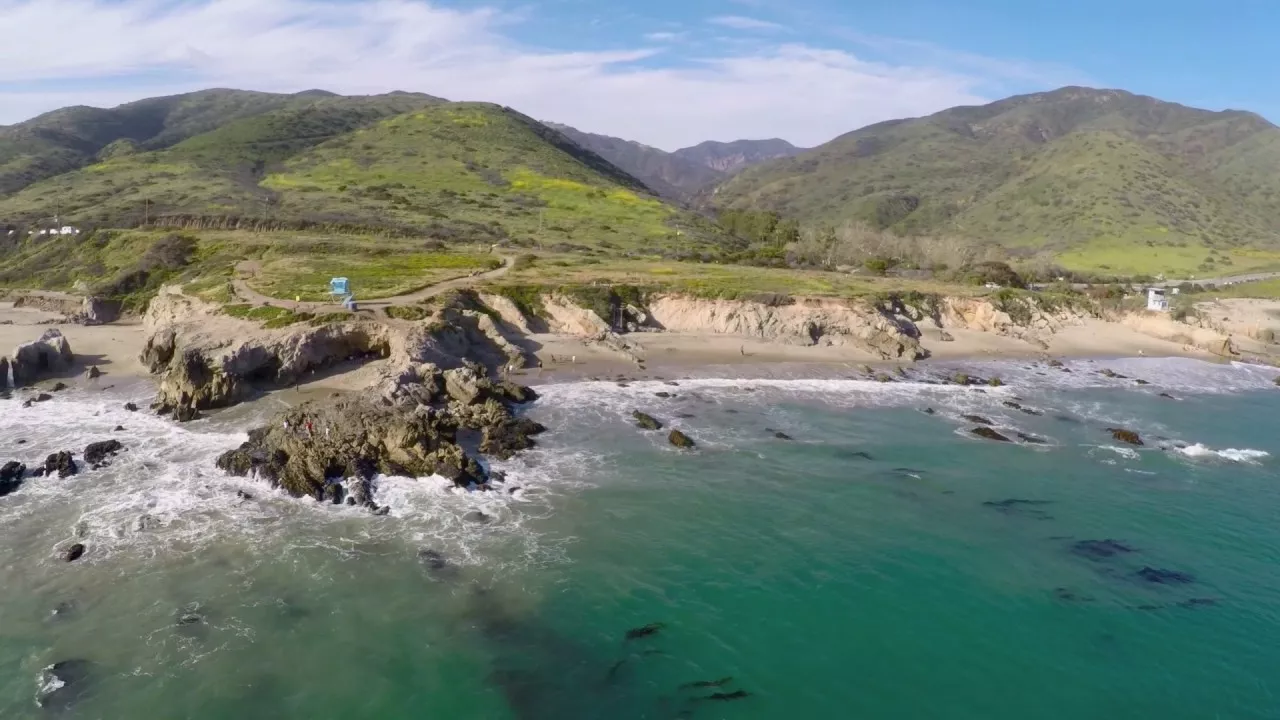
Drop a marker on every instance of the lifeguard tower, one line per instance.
(1156, 300)
(340, 291)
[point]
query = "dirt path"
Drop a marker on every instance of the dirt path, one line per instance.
(249, 268)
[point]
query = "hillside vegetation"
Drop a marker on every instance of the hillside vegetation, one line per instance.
(70, 138)
(401, 164)
(1084, 174)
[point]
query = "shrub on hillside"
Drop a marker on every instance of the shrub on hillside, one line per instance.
(993, 272)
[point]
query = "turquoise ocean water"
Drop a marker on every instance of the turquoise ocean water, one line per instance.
(879, 564)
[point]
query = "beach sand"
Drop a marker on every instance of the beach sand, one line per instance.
(115, 350)
(684, 355)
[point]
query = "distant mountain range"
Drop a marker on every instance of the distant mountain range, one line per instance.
(679, 175)
(1092, 171)
(1076, 170)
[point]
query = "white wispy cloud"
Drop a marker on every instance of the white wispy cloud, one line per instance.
(741, 22)
(663, 36)
(113, 51)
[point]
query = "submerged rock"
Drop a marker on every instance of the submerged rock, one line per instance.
(989, 434)
(1019, 506)
(1069, 595)
(1125, 436)
(646, 421)
(97, 454)
(977, 419)
(1165, 577)
(1100, 549)
(131, 407)
(1030, 439)
(681, 440)
(62, 684)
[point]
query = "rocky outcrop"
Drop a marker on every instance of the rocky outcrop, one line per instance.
(1128, 437)
(508, 312)
(97, 454)
(1033, 324)
(307, 449)
(802, 322)
(83, 310)
(36, 360)
(989, 434)
(11, 474)
(565, 317)
(207, 360)
(681, 440)
(60, 463)
(645, 421)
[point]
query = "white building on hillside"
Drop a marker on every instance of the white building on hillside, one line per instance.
(1156, 300)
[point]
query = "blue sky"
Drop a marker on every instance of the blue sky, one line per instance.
(665, 72)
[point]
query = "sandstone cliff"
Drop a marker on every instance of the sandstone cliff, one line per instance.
(205, 359)
(802, 322)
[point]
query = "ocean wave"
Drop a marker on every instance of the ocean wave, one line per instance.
(1246, 455)
(164, 495)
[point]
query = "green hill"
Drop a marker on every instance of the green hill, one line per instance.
(1076, 172)
(71, 138)
(410, 164)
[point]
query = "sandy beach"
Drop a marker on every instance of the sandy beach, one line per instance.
(115, 349)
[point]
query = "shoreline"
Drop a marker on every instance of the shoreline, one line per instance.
(116, 348)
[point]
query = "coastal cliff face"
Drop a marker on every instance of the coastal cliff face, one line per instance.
(888, 328)
(205, 359)
(803, 322)
(1034, 323)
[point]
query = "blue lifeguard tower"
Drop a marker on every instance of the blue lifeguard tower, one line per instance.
(340, 290)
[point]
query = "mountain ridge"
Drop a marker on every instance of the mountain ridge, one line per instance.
(1070, 170)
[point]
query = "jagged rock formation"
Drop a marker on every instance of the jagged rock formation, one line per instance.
(207, 360)
(308, 450)
(1033, 324)
(35, 360)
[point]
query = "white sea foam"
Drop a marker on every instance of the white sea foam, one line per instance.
(1124, 452)
(1200, 452)
(164, 495)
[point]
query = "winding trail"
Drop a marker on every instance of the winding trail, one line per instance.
(248, 268)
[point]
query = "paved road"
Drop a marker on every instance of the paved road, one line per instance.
(1229, 279)
(247, 294)
(1226, 280)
